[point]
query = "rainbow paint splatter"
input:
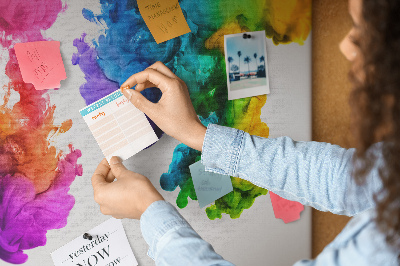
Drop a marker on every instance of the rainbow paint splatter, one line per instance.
(127, 47)
(34, 176)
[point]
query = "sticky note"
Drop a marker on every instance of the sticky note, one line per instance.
(118, 126)
(209, 186)
(41, 64)
(108, 246)
(164, 18)
(284, 209)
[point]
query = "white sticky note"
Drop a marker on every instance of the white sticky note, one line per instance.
(118, 126)
(108, 247)
(209, 186)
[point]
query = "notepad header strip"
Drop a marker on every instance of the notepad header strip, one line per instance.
(103, 101)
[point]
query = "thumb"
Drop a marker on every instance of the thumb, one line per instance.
(117, 167)
(138, 100)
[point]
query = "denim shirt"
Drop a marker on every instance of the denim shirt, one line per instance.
(312, 173)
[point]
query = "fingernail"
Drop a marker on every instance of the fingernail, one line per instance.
(125, 87)
(115, 160)
(127, 93)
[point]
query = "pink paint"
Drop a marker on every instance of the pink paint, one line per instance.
(34, 178)
(25, 19)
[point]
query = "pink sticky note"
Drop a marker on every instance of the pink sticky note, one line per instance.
(284, 209)
(41, 64)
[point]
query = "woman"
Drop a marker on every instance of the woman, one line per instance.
(362, 182)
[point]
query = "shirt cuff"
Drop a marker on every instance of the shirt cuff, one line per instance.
(158, 219)
(221, 150)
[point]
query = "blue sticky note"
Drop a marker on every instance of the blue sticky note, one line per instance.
(209, 186)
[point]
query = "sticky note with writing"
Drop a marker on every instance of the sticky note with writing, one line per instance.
(118, 126)
(108, 246)
(164, 18)
(209, 186)
(41, 64)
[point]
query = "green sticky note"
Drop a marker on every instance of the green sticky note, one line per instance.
(209, 186)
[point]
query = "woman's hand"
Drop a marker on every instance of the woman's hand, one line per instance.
(174, 113)
(127, 197)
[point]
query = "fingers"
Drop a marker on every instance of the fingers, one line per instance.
(139, 101)
(117, 167)
(110, 177)
(160, 67)
(143, 86)
(100, 174)
(149, 75)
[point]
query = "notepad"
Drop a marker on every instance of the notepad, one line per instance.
(118, 126)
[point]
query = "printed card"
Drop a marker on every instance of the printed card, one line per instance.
(118, 126)
(209, 186)
(109, 246)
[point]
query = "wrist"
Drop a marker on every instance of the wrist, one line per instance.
(197, 137)
(148, 203)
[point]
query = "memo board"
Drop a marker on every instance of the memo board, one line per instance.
(102, 44)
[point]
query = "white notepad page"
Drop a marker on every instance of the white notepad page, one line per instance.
(118, 126)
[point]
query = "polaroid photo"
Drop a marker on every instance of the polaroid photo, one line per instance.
(246, 64)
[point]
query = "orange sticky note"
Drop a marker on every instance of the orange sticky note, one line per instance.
(164, 18)
(41, 64)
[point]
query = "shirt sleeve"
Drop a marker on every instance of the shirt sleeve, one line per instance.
(172, 241)
(359, 243)
(312, 173)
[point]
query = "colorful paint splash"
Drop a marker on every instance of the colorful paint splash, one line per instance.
(34, 176)
(126, 46)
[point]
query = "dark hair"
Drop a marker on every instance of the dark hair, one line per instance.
(375, 103)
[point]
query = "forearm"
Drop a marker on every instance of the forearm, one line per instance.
(312, 173)
(172, 241)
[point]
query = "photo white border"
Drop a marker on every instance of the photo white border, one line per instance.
(248, 92)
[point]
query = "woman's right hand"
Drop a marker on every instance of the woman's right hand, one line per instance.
(174, 112)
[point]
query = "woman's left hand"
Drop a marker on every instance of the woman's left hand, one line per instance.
(127, 197)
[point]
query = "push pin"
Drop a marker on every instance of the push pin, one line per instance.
(246, 36)
(87, 236)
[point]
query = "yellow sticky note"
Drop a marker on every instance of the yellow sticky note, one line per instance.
(164, 18)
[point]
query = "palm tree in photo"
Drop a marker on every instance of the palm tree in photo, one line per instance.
(239, 54)
(262, 59)
(234, 68)
(247, 60)
(255, 58)
(230, 60)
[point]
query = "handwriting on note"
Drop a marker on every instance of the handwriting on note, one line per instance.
(164, 18)
(209, 186)
(41, 64)
(118, 126)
